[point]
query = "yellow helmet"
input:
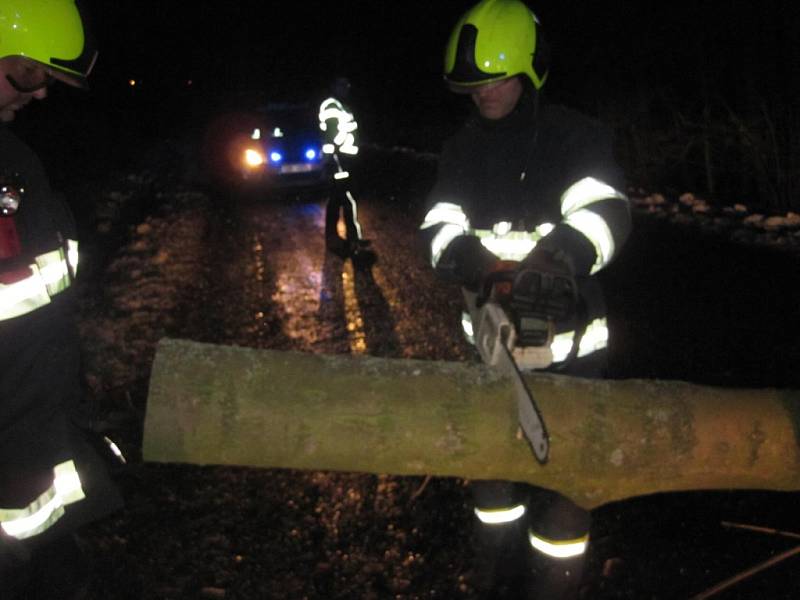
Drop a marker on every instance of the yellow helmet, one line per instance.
(494, 40)
(50, 32)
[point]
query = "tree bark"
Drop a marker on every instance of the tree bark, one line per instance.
(610, 439)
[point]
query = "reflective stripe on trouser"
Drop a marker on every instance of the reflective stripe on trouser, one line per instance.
(558, 548)
(555, 527)
(354, 210)
(50, 274)
(569, 547)
(342, 201)
(44, 511)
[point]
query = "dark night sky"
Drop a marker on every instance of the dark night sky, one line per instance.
(378, 40)
(392, 51)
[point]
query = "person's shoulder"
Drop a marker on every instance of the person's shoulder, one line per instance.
(559, 115)
(568, 124)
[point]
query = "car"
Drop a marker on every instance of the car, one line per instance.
(257, 146)
(285, 150)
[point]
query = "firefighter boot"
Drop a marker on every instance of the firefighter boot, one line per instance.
(363, 258)
(558, 537)
(501, 547)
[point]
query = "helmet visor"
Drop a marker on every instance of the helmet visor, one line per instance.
(27, 75)
(458, 87)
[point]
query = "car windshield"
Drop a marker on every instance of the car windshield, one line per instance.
(291, 118)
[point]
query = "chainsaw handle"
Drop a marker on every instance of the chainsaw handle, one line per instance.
(489, 281)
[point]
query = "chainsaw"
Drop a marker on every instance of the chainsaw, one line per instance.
(514, 314)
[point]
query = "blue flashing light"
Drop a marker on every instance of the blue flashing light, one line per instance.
(311, 154)
(275, 156)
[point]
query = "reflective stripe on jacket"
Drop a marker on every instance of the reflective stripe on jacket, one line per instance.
(548, 175)
(577, 206)
(48, 508)
(50, 273)
(339, 126)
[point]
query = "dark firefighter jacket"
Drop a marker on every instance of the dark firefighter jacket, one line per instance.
(541, 178)
(51, 480)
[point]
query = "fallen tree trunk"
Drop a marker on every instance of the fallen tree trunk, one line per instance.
(610, 440)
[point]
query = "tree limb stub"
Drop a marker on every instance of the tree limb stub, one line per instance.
(610, 439)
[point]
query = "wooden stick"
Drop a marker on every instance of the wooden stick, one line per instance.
(748, 573)
(759, 529)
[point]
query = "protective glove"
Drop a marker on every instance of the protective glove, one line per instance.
(544, 286)
(465, 261)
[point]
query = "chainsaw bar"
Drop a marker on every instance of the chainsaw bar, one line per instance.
(494, 336)
(530, 419)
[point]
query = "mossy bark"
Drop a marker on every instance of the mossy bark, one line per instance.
(610, 439)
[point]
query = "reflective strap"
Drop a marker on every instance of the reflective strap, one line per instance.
(562, 345)
(328, 148)
(48, 508)
(594, 338)
(54, 271)
(500, 516)
(349, 146)
(354, 209)
(559, 548)
(585, 192)
(329, 109)
(115, 450)
(446, 212)
(454, 221)
(346, 125)
(596, 230)
(72, 256)
(50, 275)
(574, 203)
(442, 240)
(466, 326)
(23, 296)
(511, 245)
(341, 175)
(508, 248)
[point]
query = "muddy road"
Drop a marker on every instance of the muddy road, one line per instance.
(216, 267)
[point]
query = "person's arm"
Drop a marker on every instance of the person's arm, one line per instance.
(595, 211)
(339, 127)
(455, 254)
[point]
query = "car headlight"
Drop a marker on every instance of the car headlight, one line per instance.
(311, 153)
(253, 158)
(275, 156)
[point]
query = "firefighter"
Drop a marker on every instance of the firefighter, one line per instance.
(340, 129)
(533, 189)
(52, 481)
